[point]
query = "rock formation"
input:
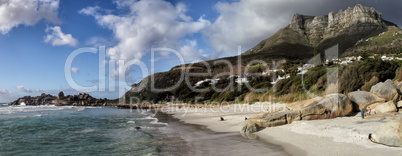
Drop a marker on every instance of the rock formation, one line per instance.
(363, 99)
(386, 107)
(389, 134)
(331, 106)
(350, 29)
(386, 90)
(61, 100)
(317, 28)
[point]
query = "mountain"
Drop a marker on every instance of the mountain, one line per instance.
(355, 30)
(345, 27)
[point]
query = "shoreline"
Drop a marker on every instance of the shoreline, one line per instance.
(204, 141)
(338, 136)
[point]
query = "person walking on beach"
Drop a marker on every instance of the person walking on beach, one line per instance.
(369, 110)
(362, 113)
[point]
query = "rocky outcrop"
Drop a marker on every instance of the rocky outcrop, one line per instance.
(61, 100)
(338, 104)
(386, 90)
(250, 128)
(331, 106)
(349, 21)
(363, 99)
(389, 134)
(60, 96)
(386, 107)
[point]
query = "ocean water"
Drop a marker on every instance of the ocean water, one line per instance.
(54, 130)
(70, 130)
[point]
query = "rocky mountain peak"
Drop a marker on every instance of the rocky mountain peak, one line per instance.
(317, 28)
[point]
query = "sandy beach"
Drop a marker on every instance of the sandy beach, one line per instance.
(338, 136)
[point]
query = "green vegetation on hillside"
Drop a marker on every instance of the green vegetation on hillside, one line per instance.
(359, 75)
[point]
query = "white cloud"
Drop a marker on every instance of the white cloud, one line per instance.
(190, 51)
(4, 91)
(74, 69)
(245, 23)
(97, 41)
(26, 12)
(58, 38)
(27, 90)
(89, 10)
(149, 23)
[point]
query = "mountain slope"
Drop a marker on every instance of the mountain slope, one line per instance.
(354, 30)
(345, 28)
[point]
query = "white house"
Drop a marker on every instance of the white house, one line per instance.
(280, 78)
(385, 58)
(344, 63)
(241, 79)
(212, 81)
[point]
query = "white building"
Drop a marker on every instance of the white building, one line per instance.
(212, 81)
(241, 79)
(280, 78)
(385, 58)
(344, 63)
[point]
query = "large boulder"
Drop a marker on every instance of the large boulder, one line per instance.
(250, 127)
(338, 104)
(333, 105)
(275, 119)
(383, 107)
(268, 119)
(363, 99)
(389, 133)
(386, 90)
(301, 104)
(313, 112)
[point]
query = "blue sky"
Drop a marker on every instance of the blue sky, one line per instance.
(37, 36)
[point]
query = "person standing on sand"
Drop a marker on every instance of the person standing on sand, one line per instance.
(369, 110)
(362, 113)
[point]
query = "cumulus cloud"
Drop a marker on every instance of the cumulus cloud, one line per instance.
(74, 69)
(4, 91)
(245, 23)
(148, 24)
(26, 12)
(27, 90)
(190, 51)
(58, 38)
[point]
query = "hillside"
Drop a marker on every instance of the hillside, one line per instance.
(354, 30)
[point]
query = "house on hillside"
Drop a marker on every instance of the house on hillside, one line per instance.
(211, 81)
(280, 78)
(385, 58)
(345, 63)
(269, 72)
(241, 79)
